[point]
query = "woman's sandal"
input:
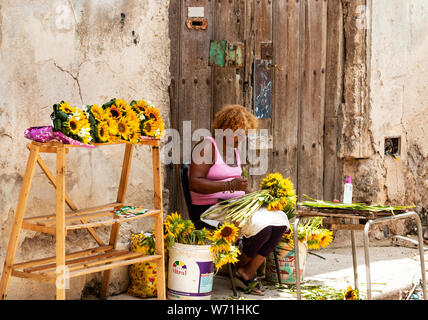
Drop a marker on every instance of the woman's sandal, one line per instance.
(249, 286)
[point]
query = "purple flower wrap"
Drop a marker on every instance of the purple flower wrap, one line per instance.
(45, 134)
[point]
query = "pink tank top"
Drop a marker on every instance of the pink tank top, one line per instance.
(219, 171)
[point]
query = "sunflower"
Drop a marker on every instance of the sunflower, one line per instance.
(121, 104)
(73, 125)
(350, 294)
(284, 201)
(152, 113)
(224, 258)
(275, 205)
(133, 122)
(286, 184)
(111, 124)
(225, 234)
(326, 238)
(135, 135)
(173, 217)
(97, 112)
(191, 227)
(179, 229)
(158, 127)
(313, 244)
(114, 112)
(132, 115)
(102, 132)
(229, 232)
(65, 107)
(149, 128)
(124, 128)
(218, 248)
(140, 106)
(270, 180)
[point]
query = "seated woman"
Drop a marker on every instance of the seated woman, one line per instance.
(214, 180)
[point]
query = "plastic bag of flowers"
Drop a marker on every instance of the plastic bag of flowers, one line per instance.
(143, 275)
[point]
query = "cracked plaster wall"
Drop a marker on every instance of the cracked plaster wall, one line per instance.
(397, 82)
(84, 52)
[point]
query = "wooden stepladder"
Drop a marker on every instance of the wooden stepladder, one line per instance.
(61, 267)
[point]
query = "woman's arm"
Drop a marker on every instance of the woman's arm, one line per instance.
(198, 182)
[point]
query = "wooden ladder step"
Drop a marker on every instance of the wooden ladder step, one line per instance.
(79, 219)
(34, 276)
(83, 265)
(89, 261)
(76, 254)
(114, 220)
(46, 219)
(112, 265)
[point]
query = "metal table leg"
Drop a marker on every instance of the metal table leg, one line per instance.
(354, 260)
(367, 259)
(296, 258)
(421, 248)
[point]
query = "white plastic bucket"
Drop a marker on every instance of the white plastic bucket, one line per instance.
(190, 272)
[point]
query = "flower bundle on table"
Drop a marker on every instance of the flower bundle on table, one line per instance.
(114, 121)
(311, 233)
(276, 192)
(71, 121)
(178, 230)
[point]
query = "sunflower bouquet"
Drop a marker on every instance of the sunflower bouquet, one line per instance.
(151, 123)
(114, 121)
(276, 192)
(311, 233)
(103, 127)
(123, 119)
(178, 230)
(72, 122)
(222, 246)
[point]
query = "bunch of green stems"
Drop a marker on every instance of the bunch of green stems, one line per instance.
(352, 206)
(242, 208)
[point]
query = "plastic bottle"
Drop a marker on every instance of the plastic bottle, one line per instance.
(347, 191)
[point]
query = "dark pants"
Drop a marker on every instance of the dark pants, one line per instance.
(195, 212)
(263, 243)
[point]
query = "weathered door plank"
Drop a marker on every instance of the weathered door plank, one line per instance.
(310, 171)
(228, 20)
(262, 33)
(195, 89)
(286, 31)
(334, 86)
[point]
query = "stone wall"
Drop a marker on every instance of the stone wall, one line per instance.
(395, 106)
(83, 52)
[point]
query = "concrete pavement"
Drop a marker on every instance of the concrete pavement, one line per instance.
(393, 270)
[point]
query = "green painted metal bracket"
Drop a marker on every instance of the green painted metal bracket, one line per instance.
(224, 54)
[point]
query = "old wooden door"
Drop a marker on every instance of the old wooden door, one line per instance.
(292, 54)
